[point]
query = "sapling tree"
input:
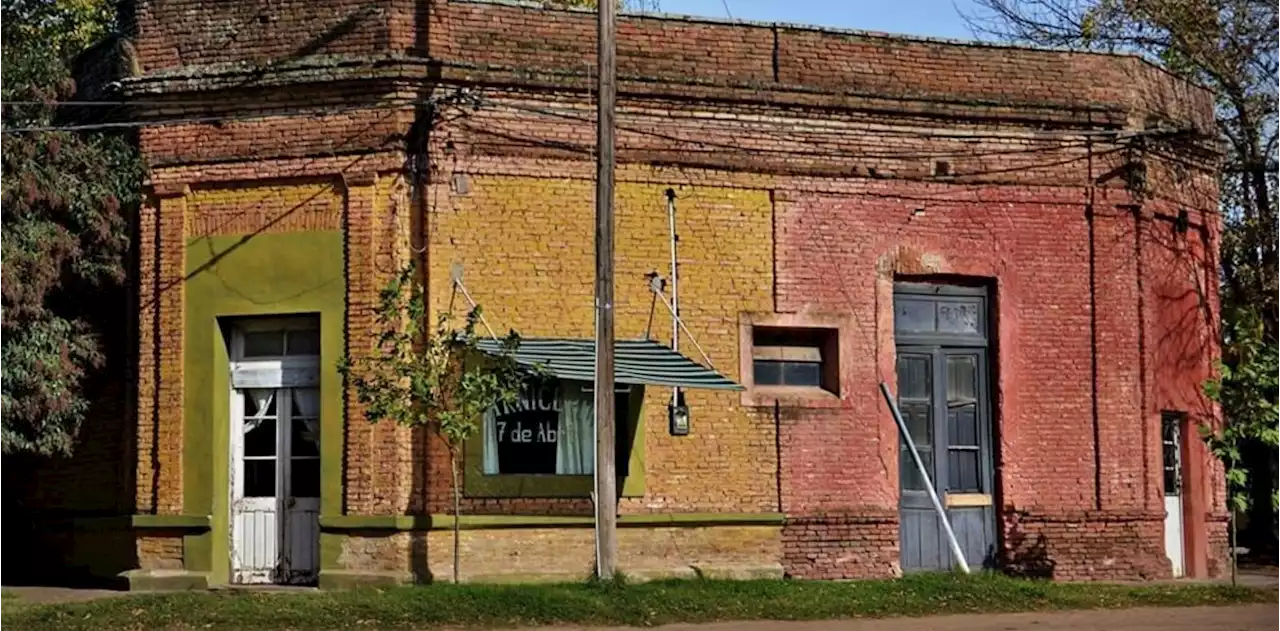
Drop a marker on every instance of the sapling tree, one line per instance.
(439, 380)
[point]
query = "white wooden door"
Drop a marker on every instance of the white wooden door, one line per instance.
(1171, 441)
(255, 510)
(1171, 455)
(275, 454)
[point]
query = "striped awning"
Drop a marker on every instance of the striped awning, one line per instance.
(636, 362)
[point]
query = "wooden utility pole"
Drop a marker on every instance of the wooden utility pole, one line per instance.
(606, 498)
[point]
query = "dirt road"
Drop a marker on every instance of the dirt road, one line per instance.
(1240, 618)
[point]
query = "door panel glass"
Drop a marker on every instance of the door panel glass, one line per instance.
(919, 420)
(304, 479)
(305, 437)
(1171, 451)
(260, 478)
(963, 475)
(915, 377)
(962, 378)
(915, 402)
(911, 480)
(259, 437)
(962, 423)
(259, 402)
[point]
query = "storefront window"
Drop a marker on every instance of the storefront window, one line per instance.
(547, 431)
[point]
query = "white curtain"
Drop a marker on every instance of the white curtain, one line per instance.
(490, 442)
(575, 444)
(261, 398)
(306, 401)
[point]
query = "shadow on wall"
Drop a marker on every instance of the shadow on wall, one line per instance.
(1026, 555)
(66, 518)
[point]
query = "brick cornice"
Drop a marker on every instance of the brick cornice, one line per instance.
(170, 190)
(359, 179)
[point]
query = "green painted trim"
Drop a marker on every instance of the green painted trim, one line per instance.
(265, 274)
(333, 523)
(476, 484)
(171, 522)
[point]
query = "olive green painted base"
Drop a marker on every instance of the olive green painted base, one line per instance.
(355, 579)
(164, 580)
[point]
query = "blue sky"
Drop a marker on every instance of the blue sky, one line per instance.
(933, 18)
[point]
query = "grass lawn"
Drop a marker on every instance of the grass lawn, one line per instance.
(643, 604)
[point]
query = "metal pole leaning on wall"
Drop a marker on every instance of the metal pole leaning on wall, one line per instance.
(928, 480)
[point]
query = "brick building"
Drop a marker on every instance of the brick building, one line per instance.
(1020, 243)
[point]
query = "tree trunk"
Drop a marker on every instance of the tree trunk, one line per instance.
(457, 504)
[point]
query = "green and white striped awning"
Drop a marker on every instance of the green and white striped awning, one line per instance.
(636, 362)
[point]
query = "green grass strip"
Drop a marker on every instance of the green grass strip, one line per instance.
(646, 604)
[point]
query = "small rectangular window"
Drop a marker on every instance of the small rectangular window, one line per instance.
(804, 357)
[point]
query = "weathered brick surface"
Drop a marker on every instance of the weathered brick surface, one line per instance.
(563, 554)
(162, 253)
(1086, 545)
(300, 206)
(807, 168)
(861, 544)
(160, 551)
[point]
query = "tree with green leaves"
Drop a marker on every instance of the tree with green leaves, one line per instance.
(67, 200)
(438, 380)
(1229, 46)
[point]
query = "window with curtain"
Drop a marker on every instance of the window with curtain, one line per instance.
(548, 431)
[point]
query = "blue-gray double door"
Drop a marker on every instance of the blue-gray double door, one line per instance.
(941, 339)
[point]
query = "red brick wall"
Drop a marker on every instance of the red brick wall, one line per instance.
(1034, 244)
(176, 33)
(467, 33)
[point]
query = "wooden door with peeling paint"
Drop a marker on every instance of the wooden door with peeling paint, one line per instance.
(275, 452)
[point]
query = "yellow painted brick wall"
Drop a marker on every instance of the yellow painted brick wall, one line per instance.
(265, 207)
(526, 245)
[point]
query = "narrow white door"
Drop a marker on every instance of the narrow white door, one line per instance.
(255, 514)
(1171, 440)
(275, 453)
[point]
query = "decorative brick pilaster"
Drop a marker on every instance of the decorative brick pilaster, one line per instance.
(362, 292)
(162, 272)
